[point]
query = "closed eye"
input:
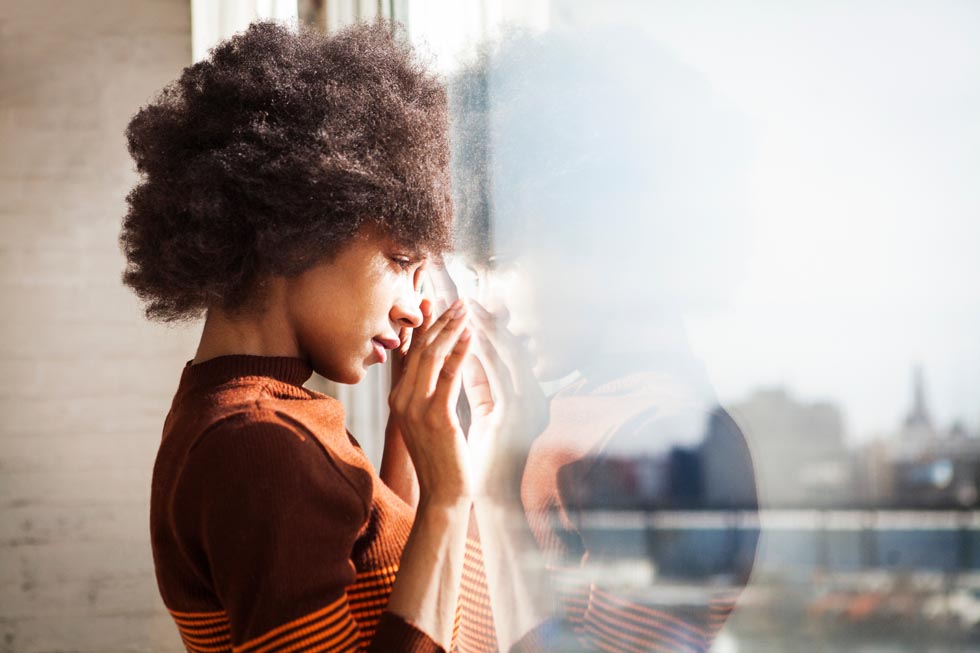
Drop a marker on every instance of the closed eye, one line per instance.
(404, 262)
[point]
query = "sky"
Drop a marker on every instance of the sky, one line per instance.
(865, 252)
(862, 253)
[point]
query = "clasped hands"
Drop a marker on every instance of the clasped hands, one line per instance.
(466, 349)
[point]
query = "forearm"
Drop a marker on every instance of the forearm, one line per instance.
(427, 587)
(426, 590)
(518, 582)
(397, 470)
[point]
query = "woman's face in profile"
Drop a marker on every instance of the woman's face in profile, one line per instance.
(349, 312)
(546, 297)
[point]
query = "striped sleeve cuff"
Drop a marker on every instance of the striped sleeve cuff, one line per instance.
(328, 629)
(203, 631)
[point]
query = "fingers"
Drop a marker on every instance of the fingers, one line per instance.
(496, 370)
(406, 333)
(442, 282)
(496, 329)
(432, 358)
(431, 330)
(477, 386)
(425, 335)
(512, 351)
(450, 376)
(428, 310)
(512, 355)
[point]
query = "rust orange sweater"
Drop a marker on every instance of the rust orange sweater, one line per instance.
(270, 529)
(272, 532)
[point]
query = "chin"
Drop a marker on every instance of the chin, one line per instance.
(347, 376)
(353, 376)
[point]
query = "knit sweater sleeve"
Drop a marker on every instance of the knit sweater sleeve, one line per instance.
(275, 521)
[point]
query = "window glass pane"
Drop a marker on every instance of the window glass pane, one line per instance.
(731, 251)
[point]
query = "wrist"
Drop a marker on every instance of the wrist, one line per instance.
(501, 484)
(451, 492)
(443, 510)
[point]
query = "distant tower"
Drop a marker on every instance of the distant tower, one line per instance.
(918, 419)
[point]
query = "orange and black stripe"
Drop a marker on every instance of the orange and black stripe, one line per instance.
(330, 628)
(368, 596)
(573, 589)
(719, 609)
(476, 633)
(204, 632)
(615, 621)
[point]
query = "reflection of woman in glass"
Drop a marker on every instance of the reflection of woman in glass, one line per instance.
(597, 180)
(294, 186)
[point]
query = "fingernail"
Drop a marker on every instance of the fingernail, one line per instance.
(465, 335)
(459, 312)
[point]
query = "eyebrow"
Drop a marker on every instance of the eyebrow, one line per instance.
(410, 250)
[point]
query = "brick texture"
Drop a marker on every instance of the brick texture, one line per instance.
(86, 381)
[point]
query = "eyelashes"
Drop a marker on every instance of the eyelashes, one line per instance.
(403, 262)
(407, 262)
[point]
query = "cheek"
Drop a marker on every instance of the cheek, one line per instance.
(323, 318)
(362, 303)
(375, 301)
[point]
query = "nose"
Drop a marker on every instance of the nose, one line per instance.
(406, 311)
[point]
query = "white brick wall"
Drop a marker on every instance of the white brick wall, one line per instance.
(85, 381)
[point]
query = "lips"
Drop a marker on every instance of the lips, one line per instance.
(381, 345)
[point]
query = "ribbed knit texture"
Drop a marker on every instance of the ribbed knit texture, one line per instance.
(271, 531)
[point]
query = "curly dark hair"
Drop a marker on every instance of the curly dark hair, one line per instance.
(270, 155)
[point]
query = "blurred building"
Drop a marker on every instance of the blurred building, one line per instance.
(921, 465)
(801, 458)
(797, 449)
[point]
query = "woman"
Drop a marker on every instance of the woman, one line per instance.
(294, 187)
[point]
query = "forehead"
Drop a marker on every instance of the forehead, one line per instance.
(375, 238)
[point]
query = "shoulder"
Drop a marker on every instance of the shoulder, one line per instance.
(261, 457)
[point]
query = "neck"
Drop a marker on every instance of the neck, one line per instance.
(266, 334)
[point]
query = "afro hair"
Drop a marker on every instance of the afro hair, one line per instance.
(270, 155)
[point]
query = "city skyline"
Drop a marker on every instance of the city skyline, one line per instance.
(887, 431)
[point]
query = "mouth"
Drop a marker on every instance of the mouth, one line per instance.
(382, 345)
